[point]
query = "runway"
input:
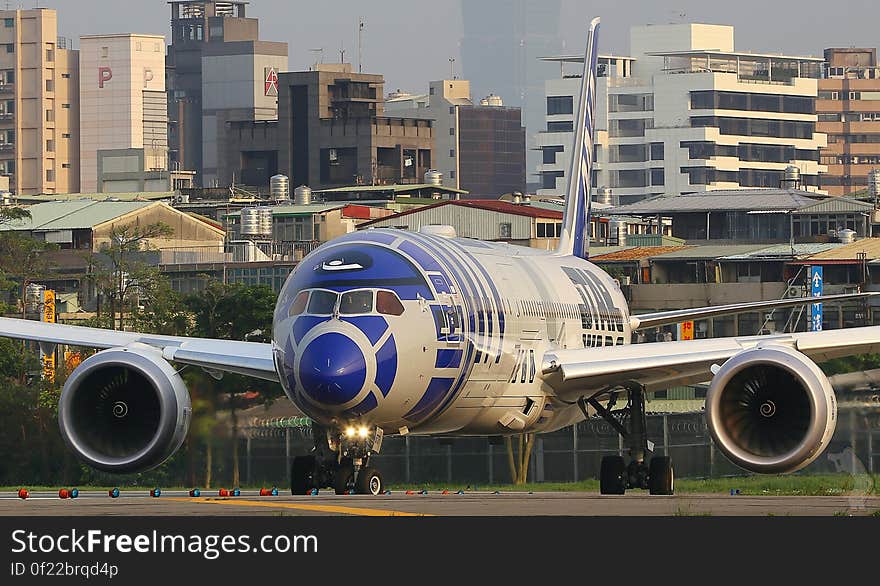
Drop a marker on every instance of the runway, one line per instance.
(249, 503)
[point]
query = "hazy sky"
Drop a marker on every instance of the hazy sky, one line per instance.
(411, 41)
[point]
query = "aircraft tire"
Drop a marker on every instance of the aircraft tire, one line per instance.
(661, 479)
(369, 481)
(302, 475)
(612, 475)
(343, 481)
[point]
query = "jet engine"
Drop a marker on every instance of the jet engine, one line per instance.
(771, 410)
(124, 410)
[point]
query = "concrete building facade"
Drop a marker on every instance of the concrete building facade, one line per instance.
(217, 71)
(124, 126)
(239, 82)
(848, 107)
(331, 131)
(685, 113)
(39, 104)
(480, 148)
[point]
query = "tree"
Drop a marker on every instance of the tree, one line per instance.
(25, 259)
(235, 312)
(126, 276)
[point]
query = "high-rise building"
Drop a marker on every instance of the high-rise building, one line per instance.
(218, 71)
(123, 119)
(685, 113)
(480, 148)
(39, 104)
(331, 131)
(849, 113)
(501, 47)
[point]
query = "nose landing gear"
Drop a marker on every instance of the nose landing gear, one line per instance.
(340, 460)
(615, 476)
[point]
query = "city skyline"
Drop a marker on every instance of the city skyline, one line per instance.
(796, 31)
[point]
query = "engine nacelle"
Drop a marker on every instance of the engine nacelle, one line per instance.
(124, 410)
(771, 410)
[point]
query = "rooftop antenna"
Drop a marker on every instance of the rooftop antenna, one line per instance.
(342, 53)
(452, 67)
(360, 44)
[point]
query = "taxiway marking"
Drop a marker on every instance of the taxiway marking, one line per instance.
(303, 507)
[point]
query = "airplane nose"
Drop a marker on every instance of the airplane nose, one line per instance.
(333, 369)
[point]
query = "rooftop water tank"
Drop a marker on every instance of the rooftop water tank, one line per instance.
(302, 195)
(791, 178)
(279, 187)
(846, 236)
(491, 100)
(433, 177)
(874, 183)
(250, 222)
(265, 215)
(603, 196)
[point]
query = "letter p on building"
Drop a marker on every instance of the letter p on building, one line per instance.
(105, 74)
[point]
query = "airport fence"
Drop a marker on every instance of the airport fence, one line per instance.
(570, 454)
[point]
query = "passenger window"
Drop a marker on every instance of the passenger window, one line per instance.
(356, 302)
(388, 303)
(322, 302)
(299, 304)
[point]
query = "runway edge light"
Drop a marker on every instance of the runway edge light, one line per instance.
(23, 493)
(114, 493)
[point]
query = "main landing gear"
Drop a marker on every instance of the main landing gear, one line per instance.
(341, 461)
(615, 476)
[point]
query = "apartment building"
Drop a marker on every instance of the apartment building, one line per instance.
(687, 113)
(39, 104)
(848, 107)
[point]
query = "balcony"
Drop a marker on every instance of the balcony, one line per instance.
(7, 147)
(6, 87)
(6, 116)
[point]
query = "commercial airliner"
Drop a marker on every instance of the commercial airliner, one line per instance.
(390, 332)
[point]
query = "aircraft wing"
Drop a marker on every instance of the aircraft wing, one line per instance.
(659, 365)
(662, 318)
(249, 358)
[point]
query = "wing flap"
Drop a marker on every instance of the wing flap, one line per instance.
(662, 318)
(659, 365)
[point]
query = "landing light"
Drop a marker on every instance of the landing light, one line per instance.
(350, 431)
(363, 431)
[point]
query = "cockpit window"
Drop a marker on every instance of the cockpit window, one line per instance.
(299, 304)
(356, 302)
(322, 302)
(388, 303)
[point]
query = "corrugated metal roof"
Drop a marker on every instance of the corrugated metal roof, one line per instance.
(128, 196)
(634, 253)
(710, 251)
(836, 204)
(786, 251)
(73, 215)
(722, 200)
(870, 246)
(493, 205)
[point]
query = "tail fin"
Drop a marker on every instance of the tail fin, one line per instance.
(575, 238)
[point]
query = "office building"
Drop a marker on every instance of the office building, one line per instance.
(124, 126)
(39, 104)
(686, 113)
(218, 71)
(479, 147)
(331, 131)
(848, 107)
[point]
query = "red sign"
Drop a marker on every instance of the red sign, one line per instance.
(270, 86)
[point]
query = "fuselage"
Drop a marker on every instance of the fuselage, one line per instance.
(419, 333)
